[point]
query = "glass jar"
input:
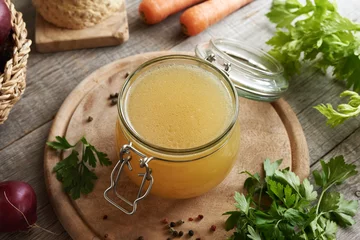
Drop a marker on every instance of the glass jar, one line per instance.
(189, 172)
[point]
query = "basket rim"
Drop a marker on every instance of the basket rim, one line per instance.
(12, 80)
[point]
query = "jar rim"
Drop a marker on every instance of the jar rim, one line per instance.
(276, 69)
(171, 151)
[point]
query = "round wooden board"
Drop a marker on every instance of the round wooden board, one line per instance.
(269, 130)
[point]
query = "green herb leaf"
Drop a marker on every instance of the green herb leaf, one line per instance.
(334, 172)
(344, 111)
(253, 234)
(60, 144)
(252, 183)
(232, 220)
(270, 168)
(242, 203)
(316, 32)
(345, 212)
(294, 210)
(307, 190)
(74, 173)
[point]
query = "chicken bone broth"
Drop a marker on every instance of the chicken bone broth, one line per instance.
(178, 106)
(181, 113)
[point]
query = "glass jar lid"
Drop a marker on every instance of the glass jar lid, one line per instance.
(255, 74)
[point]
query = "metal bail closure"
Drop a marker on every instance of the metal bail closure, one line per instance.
(255, 74)
(125, 158)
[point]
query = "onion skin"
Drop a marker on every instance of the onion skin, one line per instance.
(5, 21)
(23, 197)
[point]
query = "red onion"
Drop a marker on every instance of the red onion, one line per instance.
(5, 21)
(17, 206)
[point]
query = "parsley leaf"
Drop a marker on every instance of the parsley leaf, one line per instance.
(316, 32)
(344, 111)
(60, 144)
(74, 173)
(293, 210)
(242, 203)
(334, 172)
(253, 234)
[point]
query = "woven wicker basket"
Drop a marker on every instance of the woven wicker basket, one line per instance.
(12, 81)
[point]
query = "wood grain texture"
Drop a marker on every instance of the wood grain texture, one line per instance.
(51, 77)
(112, 31)
(268, 130)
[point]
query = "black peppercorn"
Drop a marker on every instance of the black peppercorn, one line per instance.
(172, 224)
(113, 102)
(180, 222)
(140, 238)
(191, 233)
(181, 233)
(175, 233)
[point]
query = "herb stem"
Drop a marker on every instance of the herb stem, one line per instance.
(260, 195)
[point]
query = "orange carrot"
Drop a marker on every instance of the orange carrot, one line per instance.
(154, 11)
(196, 19)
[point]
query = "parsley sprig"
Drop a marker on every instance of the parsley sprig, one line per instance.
(344, 111)
(75, 173)
(280, 206)
(315, 32)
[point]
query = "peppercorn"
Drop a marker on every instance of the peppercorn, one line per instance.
(200, 217)
(168, 238)
(126, 74)
(175, 233)
(191, 219)
(180, 222)
(90, 119)
(140, 238)
(105, 217)
(164, 221)
(181, 233)
(172, 224)
(191, 233)
(198, 238)
(213, 228)
(113, 102)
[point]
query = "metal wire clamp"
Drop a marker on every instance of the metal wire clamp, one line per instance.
(125, 158)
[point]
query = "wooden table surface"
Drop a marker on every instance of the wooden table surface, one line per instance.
(51, 77)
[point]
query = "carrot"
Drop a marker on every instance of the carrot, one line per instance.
(196, 19)
(154, 11)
